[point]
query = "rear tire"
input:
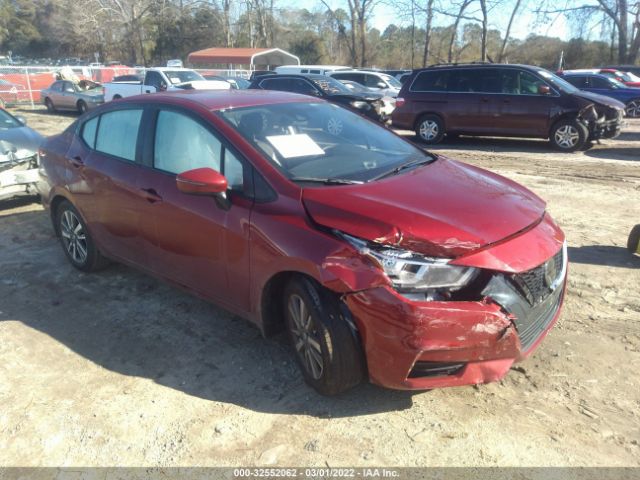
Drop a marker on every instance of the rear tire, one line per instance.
(326, 349)
(568, 135)
(77, 243)
(632, 109)
(633, 243)
(82, 107)
(49, 104)
(117, 97)
(430, 129)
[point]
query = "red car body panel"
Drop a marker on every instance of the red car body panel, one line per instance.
(445, 209)
(234, 257)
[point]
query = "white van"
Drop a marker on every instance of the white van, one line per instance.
(316, 69)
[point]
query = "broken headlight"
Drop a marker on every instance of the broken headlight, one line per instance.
(411, 272)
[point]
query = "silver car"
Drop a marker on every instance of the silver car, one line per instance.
(66, 95)
(18, 157)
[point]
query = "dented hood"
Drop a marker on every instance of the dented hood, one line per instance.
(444, 209)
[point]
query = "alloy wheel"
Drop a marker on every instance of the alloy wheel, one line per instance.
(74, 238)
(567, 136)
(633, 109)
(429, 130)
(306, 337)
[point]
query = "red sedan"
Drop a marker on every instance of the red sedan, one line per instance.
(379, 260)
(628, 78)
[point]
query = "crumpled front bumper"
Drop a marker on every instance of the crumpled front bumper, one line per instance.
(18, 178)
(399, 335)
(430, 344)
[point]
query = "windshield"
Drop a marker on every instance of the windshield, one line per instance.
(354, 86)
(630, 77)
(321, 141)
(391, 80)
(182, 76)
(7, 121)
(557, 81)
(330, 85)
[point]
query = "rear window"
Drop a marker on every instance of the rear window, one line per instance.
(89, 132)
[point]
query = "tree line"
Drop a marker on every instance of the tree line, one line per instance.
(148, 32)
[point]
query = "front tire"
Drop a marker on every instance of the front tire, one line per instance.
(633, 243)
(49, 104)
(632, 109)
(76, 241)
(430, 129)
(82, 107)
(327, 350)
(568, 135)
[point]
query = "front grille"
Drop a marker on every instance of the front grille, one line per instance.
(532, 298)
(537, 283)
(531, 326)
(434, 369)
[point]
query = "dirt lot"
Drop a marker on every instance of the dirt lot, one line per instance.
(117, 368)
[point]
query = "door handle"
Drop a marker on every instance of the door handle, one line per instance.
(151, 195)
(77, 162)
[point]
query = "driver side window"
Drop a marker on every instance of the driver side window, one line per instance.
(183, 144)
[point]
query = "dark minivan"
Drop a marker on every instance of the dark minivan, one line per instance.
(505, 101)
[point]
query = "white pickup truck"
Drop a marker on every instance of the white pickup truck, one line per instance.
(162, 79)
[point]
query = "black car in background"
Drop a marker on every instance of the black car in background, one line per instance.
(368, 104)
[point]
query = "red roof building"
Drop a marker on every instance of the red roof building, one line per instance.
(254, 58)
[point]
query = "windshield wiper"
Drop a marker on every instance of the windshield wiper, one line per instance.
(410, 164)
(326, 181)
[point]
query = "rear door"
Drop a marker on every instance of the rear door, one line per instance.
(56, 94)
(110, 174)
(67, 96)
(200, 243)
(471, 104)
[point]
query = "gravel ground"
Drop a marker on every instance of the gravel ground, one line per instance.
(117, 368)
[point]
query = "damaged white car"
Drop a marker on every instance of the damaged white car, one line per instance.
(18, 157)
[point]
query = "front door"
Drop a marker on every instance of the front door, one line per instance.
(201, 243)
(521, 109)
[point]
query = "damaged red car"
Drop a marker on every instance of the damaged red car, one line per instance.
(379, 260)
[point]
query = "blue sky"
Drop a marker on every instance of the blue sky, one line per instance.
(384, 14)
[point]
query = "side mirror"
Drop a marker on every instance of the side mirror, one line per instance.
(163, 87)
(381, 85)
(201, 181)
(544, 89)
(21, 119)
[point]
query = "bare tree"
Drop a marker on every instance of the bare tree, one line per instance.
(503, 48)
(619, 13)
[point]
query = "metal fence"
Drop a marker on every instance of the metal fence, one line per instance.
(21, 85)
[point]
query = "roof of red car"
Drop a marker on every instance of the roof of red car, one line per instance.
(220, 99)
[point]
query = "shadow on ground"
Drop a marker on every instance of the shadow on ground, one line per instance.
(485, 144)
(132, 324)
(628, 154)
(606, 255)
